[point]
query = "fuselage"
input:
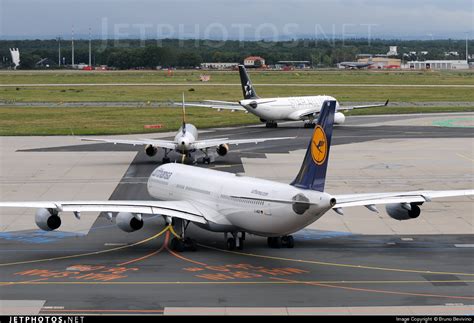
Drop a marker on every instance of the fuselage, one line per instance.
(233, 203)
(287, 108)
(185, 139)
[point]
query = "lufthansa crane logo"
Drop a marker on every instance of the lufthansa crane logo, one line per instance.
(319, 147)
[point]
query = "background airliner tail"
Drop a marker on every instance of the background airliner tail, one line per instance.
(247, 87)
(312, 175)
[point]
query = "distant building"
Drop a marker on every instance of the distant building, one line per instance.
(15, 53)
(254, 61)
(218, 66)
(437, 65)
(392, 51)
(456, 54)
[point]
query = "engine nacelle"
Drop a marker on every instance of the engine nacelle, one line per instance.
(128, 222)
(150, 150)
(222, 150)
(400, 213)
(339, 118)
(47, 219)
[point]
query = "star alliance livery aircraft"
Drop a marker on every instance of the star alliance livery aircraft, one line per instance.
(224, 202)
(272, 110)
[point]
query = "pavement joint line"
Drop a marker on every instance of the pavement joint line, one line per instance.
(289, 282)
(381, 291)
(465, 157)
(339, 265)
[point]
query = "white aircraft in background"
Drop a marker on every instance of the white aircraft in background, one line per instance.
(185, 142)
(272, 110)
(224, 202)
(355, 65)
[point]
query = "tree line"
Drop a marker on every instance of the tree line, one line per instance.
(134, 53)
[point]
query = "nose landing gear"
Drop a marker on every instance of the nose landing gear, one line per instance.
(235, 241)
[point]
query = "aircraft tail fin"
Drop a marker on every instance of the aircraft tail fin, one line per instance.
(247, 87)
(312, 175)
(184, 116)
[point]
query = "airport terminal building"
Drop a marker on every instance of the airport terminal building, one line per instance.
(436, 65)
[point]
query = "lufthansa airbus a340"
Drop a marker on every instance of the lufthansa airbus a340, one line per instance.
(236, 205)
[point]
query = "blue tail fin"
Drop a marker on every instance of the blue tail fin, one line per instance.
(312, 175)
(247, 87)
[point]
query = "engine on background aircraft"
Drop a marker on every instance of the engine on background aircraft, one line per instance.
(339, 118)
(222, 150)
(150, 150)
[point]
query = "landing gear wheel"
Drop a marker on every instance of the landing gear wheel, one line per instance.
(177, 245)
(271, 124)
(274, 242)
(190, 244)
(230, 244)
(166, 160)
(309, 125)
(206, 160)
(241, 244)
(290, 242)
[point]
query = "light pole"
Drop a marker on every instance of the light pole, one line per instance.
(59, 51)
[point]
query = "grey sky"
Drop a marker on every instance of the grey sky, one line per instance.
(242, 19)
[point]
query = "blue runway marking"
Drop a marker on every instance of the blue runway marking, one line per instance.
(307, 234)
(38, 236)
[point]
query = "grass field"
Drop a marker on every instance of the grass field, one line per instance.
(230, 93)
(20, 120)
(16, 121)
(269, 77)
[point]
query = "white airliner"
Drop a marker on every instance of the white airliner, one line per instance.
(185, 142)
(272, 110)
(224, 202)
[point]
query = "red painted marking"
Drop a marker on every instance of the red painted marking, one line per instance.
(153, 126)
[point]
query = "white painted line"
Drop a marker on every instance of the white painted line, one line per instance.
(407, 239)
(114, 244)
(467, 245)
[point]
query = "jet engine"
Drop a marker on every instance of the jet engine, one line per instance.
(150, 150)
(47, 219)
(402, 212)
(222, 150)
(339, 118)
(128, 222)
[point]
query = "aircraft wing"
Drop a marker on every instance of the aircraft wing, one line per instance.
(363, 106)
(219, 105)
(203, 144)
(179, 209)
(156, 143)
(398, 197)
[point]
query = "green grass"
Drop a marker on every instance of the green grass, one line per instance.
(272, 77)
(16, 121)
(22, 121)
(229, 93)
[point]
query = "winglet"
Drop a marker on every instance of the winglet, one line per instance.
(312, 175)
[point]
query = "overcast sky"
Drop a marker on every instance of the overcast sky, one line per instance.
(237, 19)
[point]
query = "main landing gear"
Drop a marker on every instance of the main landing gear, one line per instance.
(182, 243)
(279, 242)
(235, 242)
(206, 159)
(166, 159)
(271, 124)
(309, 125)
